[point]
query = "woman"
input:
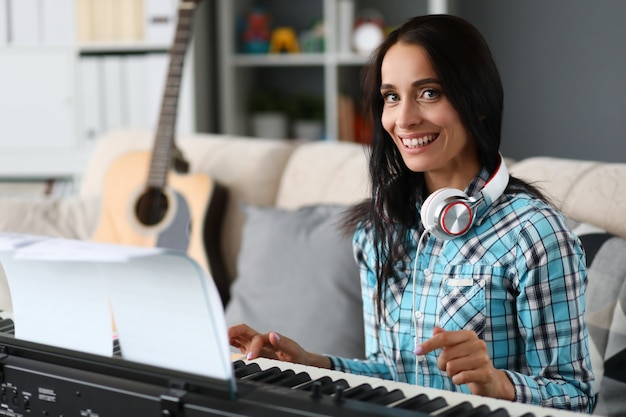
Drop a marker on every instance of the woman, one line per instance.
(480, 290)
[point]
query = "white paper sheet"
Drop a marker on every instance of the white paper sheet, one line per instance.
(69, 250)
(11, 241)
(63, 304)
(168, 313)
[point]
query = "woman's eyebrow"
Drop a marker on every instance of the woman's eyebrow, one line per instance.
(417, 83)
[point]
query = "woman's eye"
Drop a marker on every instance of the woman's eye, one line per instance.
(429, 94)
(390, 97)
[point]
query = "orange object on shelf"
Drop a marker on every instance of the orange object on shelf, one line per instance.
(284, 39)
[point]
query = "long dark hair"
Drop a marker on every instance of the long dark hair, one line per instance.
(471, 83)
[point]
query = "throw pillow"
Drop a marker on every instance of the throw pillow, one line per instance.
(606, 316)
(297, 275)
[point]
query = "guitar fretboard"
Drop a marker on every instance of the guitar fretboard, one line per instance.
(163, 151)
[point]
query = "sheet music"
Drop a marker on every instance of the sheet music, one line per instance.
(54, 304)
(73, 294)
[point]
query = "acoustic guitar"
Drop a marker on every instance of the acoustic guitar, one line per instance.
(171, 208)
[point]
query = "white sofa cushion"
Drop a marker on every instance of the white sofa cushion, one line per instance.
(587, 191)
(324, 172)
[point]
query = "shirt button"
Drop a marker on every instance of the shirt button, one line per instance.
(419, 358)
(418, 315)
(427, 272)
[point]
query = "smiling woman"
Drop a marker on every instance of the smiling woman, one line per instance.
(495, 308)
(421, 120)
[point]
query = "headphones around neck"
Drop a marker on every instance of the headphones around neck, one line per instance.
(449, 213)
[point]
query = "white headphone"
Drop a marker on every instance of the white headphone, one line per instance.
(449, 213)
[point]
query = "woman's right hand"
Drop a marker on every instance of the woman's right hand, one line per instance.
(270, 345)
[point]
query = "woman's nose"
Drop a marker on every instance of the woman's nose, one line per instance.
(408, 114)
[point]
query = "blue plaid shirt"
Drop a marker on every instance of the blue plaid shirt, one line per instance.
(517, 278)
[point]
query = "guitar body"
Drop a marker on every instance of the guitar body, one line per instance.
(191, 220)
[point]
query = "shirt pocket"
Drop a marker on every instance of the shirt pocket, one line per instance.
(462, 297)
(395, 291)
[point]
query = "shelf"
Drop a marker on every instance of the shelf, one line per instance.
(85, 87)
(269, 60)
(121, 47)
(43, 164)
(333, 75)
(349, 59)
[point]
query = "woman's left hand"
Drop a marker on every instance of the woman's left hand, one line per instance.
(464, 358)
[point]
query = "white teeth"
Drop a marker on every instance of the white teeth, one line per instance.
(416, 142)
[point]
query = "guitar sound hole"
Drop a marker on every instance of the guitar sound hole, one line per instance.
(151, 207)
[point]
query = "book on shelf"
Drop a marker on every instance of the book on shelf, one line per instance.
(353, 126)
(131, 14)
(114, 100)
(110, 20)
(90, 106)
(4, 22)
(82, 15)
(32, 22)
(102, 19)
(55, 17)
(346, 118)
(24, 29)
(135, 69)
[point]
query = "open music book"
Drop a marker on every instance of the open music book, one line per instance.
(79, 295)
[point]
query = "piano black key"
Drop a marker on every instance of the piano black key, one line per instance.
(277, 378)
(480, 411)
(358, 392)
(433, 405)
(461, 409)
(500, 412)
(390, 397)
(330, 389)
(323, 381)
(422, 403)
(295, 380)
(412, 402)
(247, 369)
(263, 375)
(378, 395)
(7, 325)
(326, 385)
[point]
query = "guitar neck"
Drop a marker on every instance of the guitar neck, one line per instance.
(164, 148)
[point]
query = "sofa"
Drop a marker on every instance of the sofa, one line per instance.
(290, 267)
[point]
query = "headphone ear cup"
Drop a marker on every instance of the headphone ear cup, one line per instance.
(435, 205)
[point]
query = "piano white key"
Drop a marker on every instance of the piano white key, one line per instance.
(453, 398)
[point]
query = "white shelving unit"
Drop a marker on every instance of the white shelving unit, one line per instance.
(52, 112)
(326, 74)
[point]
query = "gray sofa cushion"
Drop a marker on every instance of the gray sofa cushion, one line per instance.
(298, 276)
(606, 317)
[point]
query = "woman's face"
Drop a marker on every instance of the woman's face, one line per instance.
(423, 124)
